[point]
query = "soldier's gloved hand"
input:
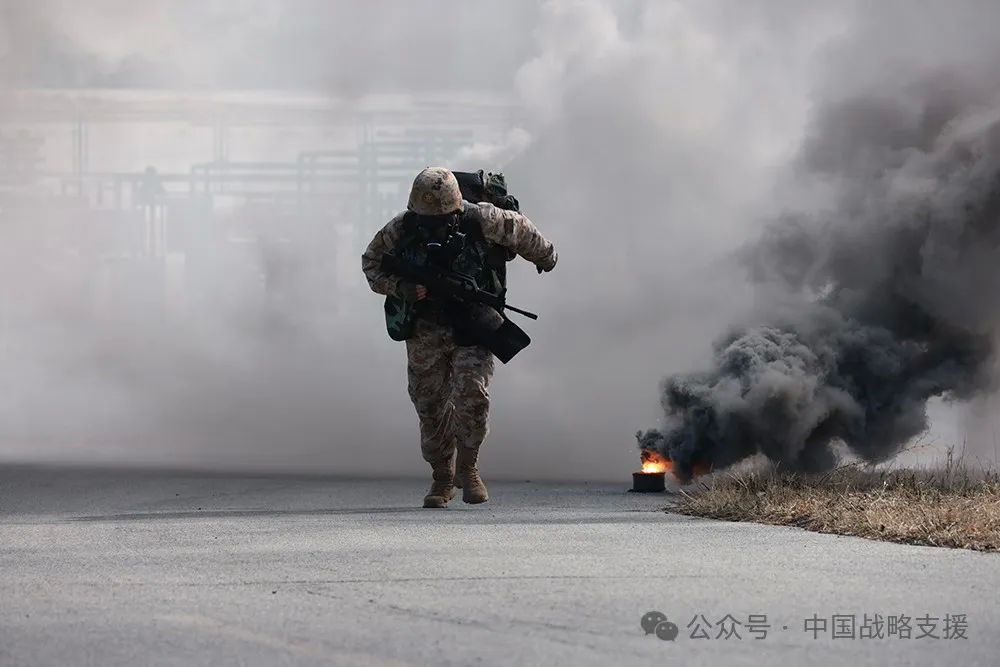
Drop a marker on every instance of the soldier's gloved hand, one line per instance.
(548, 263)
(410, 291)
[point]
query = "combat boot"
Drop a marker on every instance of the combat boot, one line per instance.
(458, 479)
(442, 488)
(473, 489)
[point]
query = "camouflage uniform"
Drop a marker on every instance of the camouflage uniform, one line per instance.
(448, 384)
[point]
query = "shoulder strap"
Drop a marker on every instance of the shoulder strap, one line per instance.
(469, 225)
(496, 256)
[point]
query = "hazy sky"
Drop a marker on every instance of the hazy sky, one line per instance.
(330, 45)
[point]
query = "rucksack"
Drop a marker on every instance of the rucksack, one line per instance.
(478, 186)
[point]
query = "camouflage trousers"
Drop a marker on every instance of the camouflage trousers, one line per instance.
(448, 385)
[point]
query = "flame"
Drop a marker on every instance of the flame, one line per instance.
(653, 462)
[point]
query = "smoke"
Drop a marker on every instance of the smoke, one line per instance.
(339, 46)
(652, 145)
(652, 141)
(887, 298)
(257, 348)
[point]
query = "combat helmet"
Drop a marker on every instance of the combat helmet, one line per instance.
(435, 191)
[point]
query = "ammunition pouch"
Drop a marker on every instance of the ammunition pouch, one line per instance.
(400, 317)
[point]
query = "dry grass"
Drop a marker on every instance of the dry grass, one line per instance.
(950, 507)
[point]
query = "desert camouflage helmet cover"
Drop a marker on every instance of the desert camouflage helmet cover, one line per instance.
(435, 192)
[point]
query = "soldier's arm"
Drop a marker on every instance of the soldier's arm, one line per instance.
(515, 231)
(371, 261)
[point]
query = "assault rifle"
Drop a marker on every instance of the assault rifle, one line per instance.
(474, 313)
(450, 284)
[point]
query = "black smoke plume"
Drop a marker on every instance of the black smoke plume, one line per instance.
(885, 299)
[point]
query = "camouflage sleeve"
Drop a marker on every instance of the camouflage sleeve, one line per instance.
(515, 231)
(371, 261)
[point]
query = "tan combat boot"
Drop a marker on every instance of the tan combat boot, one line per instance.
(473, 489)
(442, 489)
(457, 482)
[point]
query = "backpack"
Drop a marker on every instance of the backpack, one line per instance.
(478, 186)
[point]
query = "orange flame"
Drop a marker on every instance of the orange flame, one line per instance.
(653, 462)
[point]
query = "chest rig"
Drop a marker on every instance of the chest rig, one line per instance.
(453, 244)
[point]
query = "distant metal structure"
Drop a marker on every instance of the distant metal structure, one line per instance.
(302, 218)
(392, 145)
(20, 158)
(81, 150)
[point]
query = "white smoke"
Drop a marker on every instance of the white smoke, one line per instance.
(652, 137)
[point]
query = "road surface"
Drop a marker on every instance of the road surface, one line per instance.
(126, 568)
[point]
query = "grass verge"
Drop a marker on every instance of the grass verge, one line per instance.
(946, 508)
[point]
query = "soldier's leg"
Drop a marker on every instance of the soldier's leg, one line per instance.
(472, 368)
(429, 369)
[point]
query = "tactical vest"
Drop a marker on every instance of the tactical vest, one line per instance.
(478, 258)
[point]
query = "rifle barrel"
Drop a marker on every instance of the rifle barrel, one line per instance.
(531, 316)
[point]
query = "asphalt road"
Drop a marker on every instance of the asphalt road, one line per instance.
(103, 568)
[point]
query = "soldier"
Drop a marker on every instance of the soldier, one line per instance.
(448, 375)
